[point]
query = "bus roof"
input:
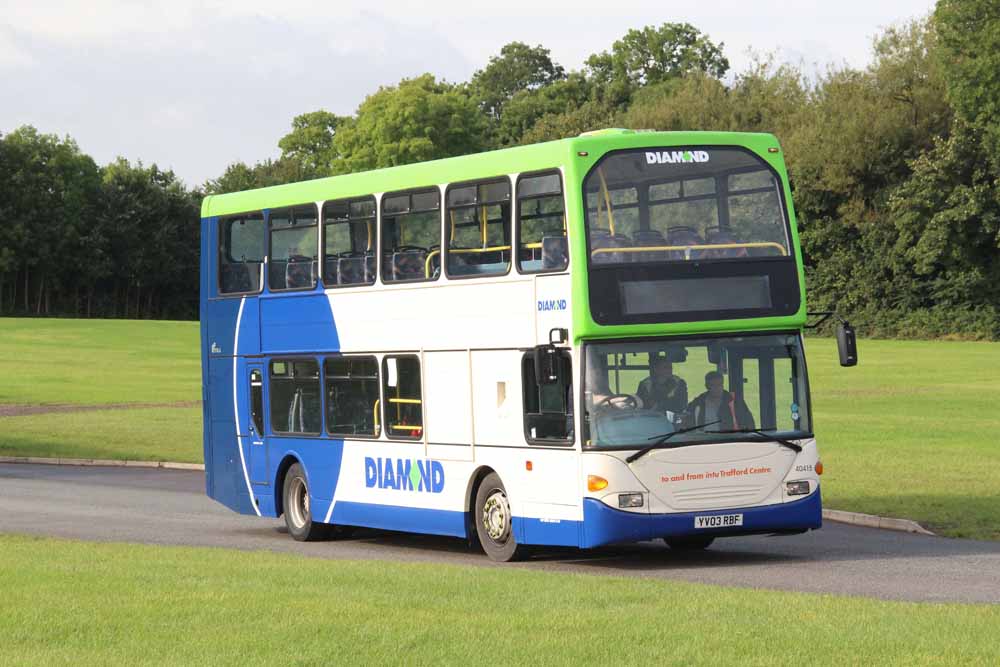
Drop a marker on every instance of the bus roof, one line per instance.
(534, 157)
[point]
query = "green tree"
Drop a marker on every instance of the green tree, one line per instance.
(517, 69)
(652, 55)
(419, 119)
(240, 176)
(969, 32)
(310, 143)
(51, 197)
(947, 216)
(526, 107)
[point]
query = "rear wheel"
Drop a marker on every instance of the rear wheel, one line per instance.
(494, 521)
(689, 542)
(298, 513)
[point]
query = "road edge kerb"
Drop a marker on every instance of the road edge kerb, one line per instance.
(874, 521)
(839, 516)
(118, 463)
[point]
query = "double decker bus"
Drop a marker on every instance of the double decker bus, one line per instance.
(575, 343)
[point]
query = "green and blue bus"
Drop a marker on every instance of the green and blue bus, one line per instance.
(576, 343)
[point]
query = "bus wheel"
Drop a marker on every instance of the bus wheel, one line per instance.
(688, 542)
(493, 521)
(298, 517)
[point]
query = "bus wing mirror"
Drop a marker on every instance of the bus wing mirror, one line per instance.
(547, 366)
(847, 345)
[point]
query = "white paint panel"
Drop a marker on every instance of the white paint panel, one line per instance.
(447, 401)
(456, 315)
(497, 423)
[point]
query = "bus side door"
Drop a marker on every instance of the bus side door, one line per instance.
(252, 434)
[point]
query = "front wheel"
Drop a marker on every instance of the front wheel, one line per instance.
(689, 542)
(494, 521)
(298, 514)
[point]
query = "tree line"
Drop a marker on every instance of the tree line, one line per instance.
(894, 168)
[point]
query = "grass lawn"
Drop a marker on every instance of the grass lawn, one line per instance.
(85, 603)
(98, 361)
(912, 431)
(157, 434)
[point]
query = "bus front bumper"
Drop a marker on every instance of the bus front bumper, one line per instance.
(605, 525)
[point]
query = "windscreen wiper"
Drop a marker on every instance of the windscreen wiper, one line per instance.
(662, 439)
(781, 441)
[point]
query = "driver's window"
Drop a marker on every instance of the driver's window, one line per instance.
(548, 408)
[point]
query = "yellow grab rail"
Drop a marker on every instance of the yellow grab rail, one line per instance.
(464, 251)
(607, 201)
(409, 401)
(375, 417)
(406, 427)
(702, 246)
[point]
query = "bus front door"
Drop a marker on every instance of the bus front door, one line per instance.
(252, 437)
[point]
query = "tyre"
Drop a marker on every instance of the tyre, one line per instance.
(298, 516)
(494, 521)
(688, 542)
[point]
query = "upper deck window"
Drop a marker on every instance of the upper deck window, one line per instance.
(241, 253)
(478, 228)
(541, 220)
(687, 234)
(683, 205)
(292, 260)
(411, 236)
(349, 242)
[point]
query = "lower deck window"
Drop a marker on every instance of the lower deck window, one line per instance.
(403, 409)
(352, 400)
(295, 397)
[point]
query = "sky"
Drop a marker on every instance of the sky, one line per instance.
(194, 86)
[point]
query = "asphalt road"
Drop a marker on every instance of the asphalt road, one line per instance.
(169, 507)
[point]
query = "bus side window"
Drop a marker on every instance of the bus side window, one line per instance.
(241, 253)
(352, 396)
(477, 227)
(349, 242)
(257, 401)
(295, 398)
(403, 407)
(292, 258)
(548, 409)
(541, 224)
(411, 236)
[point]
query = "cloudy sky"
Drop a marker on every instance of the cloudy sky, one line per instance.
(194, 86)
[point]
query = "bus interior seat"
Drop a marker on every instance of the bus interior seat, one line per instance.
(555, 252)
(649, 238)
(240, 277)
(684, 236)
(355, 268)
(409, 264)
(601, 238)
(300, 271)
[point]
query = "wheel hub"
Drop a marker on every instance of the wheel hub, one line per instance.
(496, 517)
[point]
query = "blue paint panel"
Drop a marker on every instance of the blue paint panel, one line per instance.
(227, 484)
(320, 458)
(549, 533)
(297, 323)
(206, 412)
(605, 525)
(394, 517)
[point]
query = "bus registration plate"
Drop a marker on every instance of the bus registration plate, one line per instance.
(718, 521)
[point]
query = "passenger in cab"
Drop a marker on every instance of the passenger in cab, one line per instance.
(662, 390)
(717, 404)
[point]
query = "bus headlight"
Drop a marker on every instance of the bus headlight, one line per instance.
(629, 500)
(797, 488)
